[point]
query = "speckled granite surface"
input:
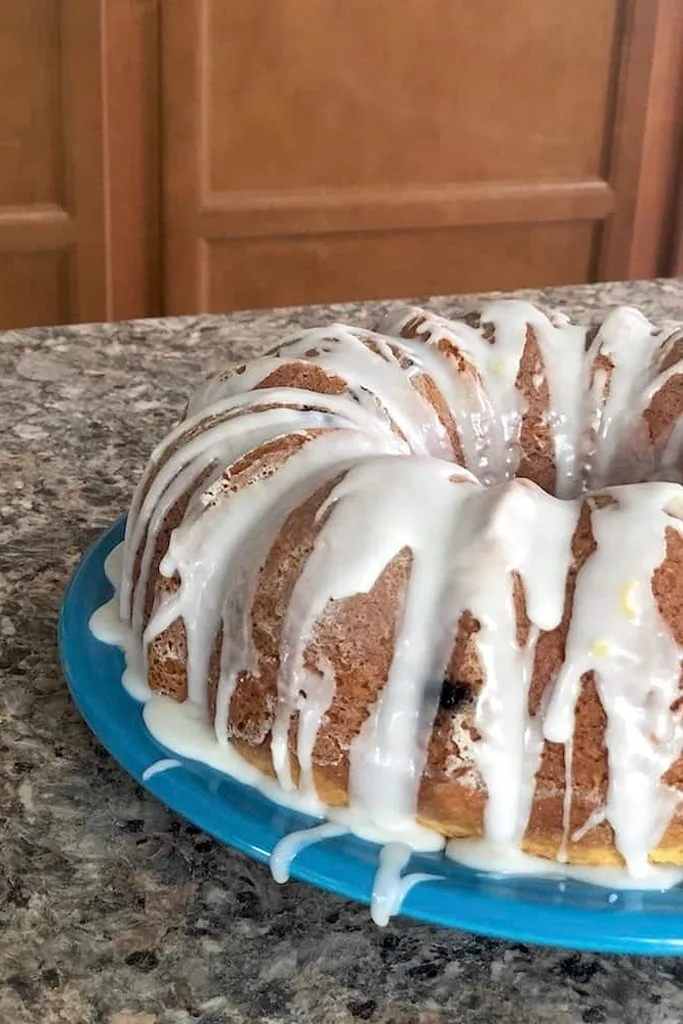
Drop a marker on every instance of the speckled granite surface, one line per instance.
(111, 908)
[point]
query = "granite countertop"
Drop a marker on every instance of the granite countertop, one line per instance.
(113, 909)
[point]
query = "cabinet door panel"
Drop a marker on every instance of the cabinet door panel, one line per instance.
(33, 289)
(31, 164)
(52, 236)
(310, 149)
(302, 95)
(326, 268)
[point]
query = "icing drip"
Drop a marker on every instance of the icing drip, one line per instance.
(671, 464)
(510, 860)
(530, 534)
(567, 798)
(228, 430)
(625, 341)
(187, 731)
(390, 888)
(432, 514)
(285, 852)
(492, 409)
(424, 510)
(561, 352)
(617, 633)
(370, 367)
(160, 766)
(108, 626)
(592, 821)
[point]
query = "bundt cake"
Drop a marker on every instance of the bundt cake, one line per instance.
(435, 572)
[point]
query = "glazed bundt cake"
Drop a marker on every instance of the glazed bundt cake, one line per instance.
(435, 572)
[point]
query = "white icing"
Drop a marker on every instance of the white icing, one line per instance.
(236, 530)
(482, 855)
(390, 886)
(567, 797)
(625, 339)
(383, 451)
(186, 730)
(529, 533)
(671, 463)
(286, 850)
(594, 819)
(490, 415)
(230, 429)
(616, 632)
(162, 765)
(108, 626)
(417, 837)
(345, 352)
(388, 755)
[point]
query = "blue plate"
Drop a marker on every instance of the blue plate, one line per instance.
(527, 909)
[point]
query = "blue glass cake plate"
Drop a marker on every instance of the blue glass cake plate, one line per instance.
(526, 908)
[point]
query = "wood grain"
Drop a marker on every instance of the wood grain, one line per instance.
(182, 51)
(31, 137)
(131, 113)
(675, 254)
(33, 288)
(296, 213)
(79, 159)
(641, 153)
(326, 94)
(656, 203)
(321, 268)
(52, 240)
(288, 124)
(81, 36)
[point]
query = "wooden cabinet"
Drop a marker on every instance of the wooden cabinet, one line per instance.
(79, 224)
(188, 155)
(52, 234)
(328, 150)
